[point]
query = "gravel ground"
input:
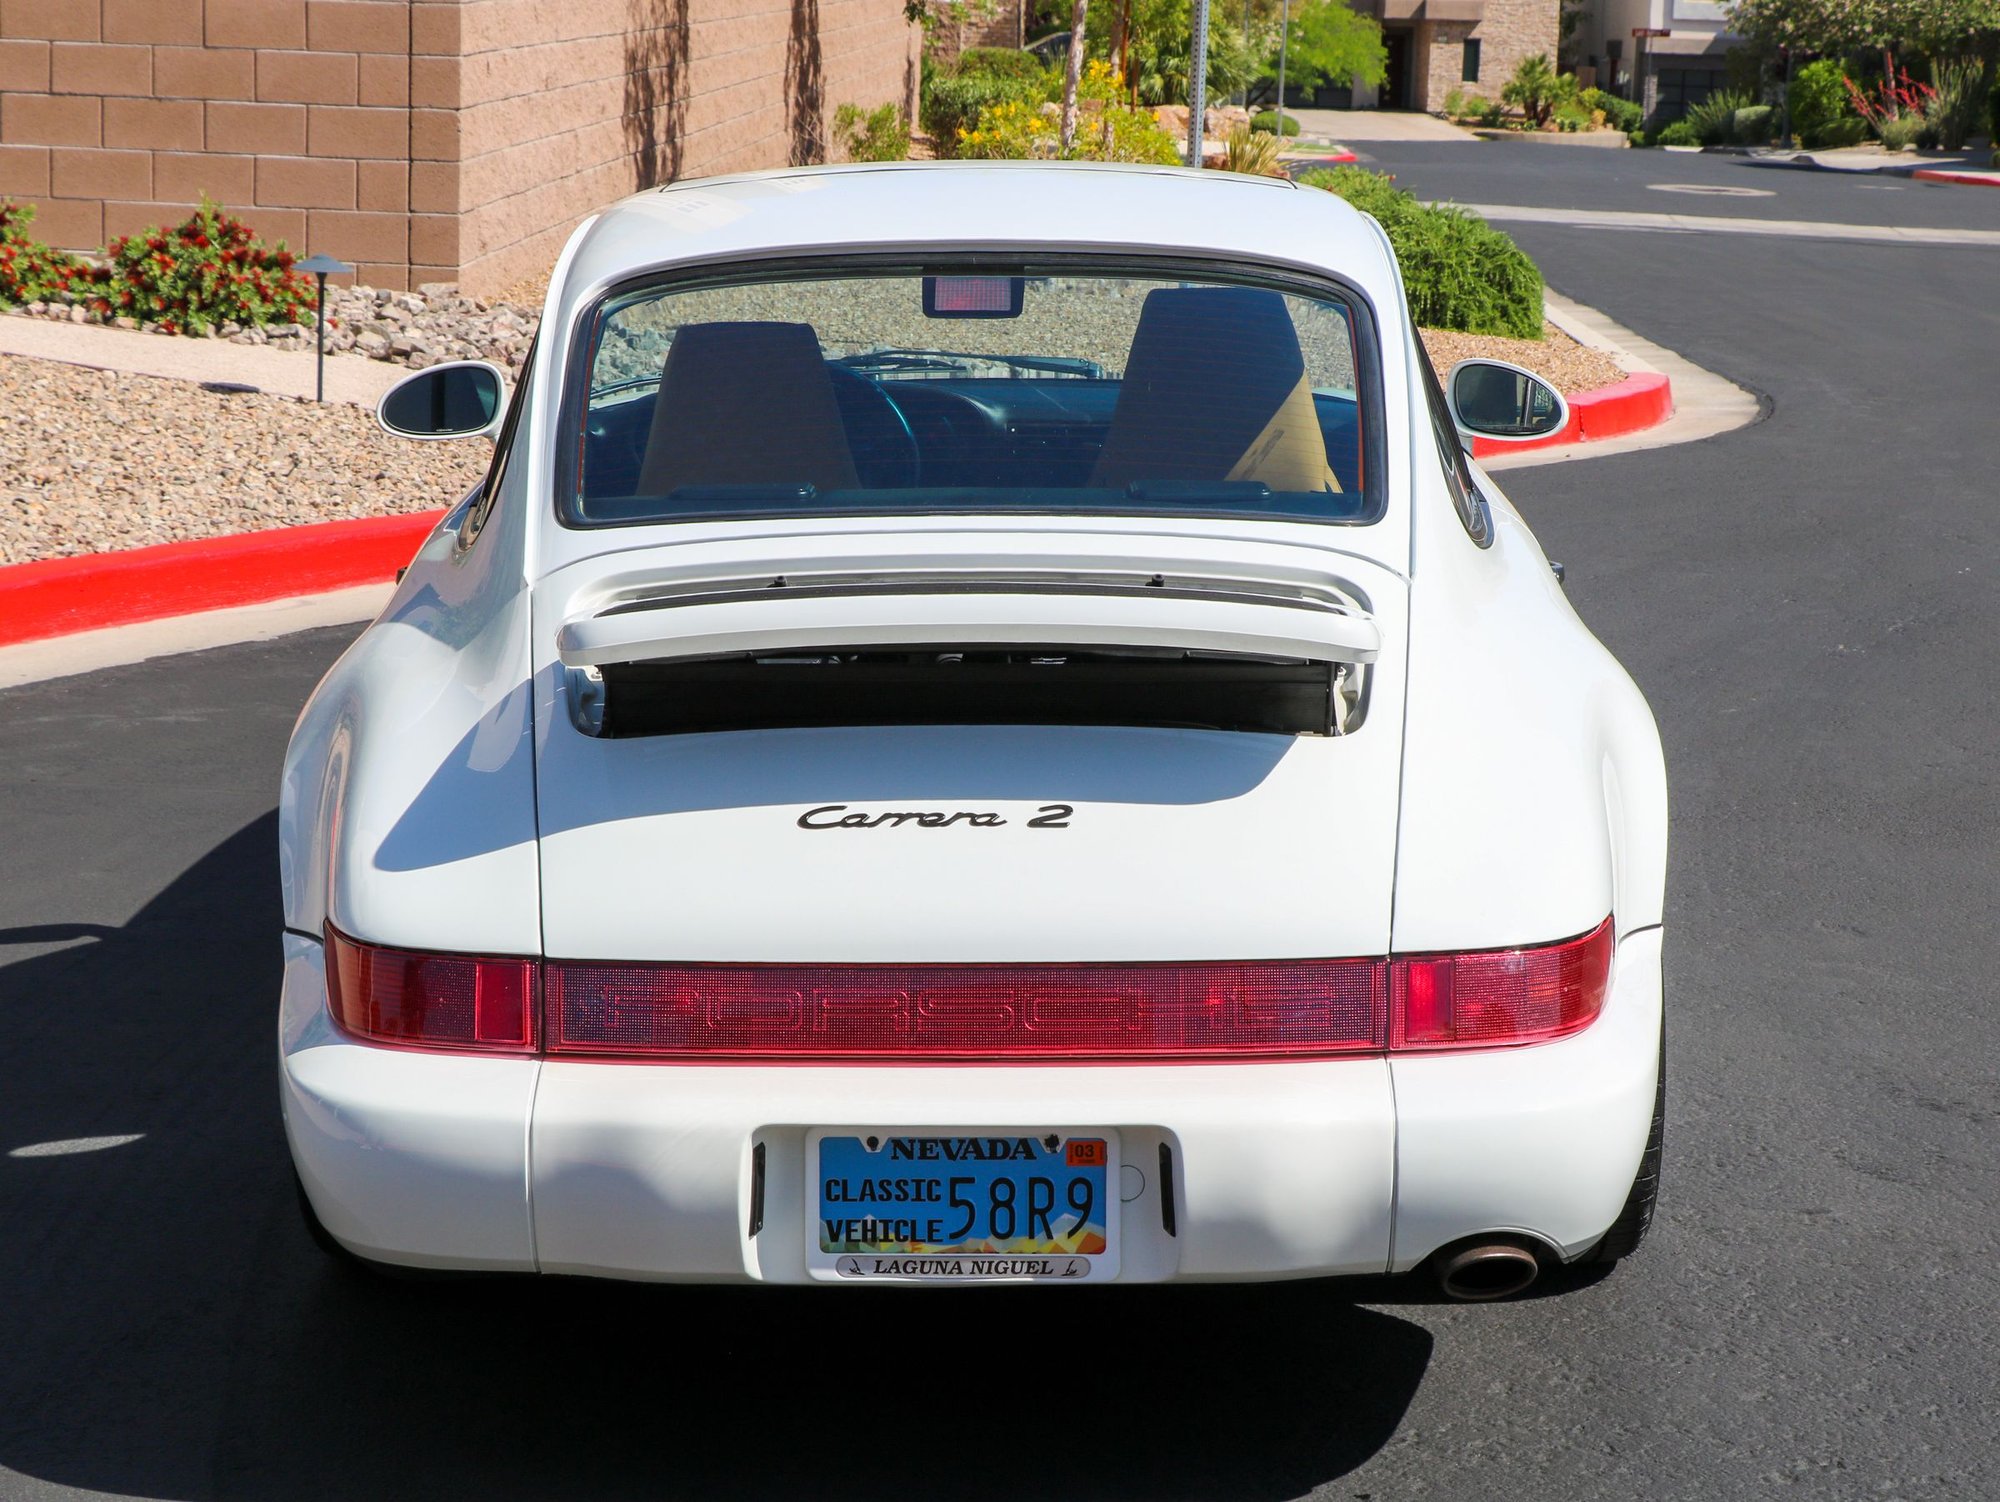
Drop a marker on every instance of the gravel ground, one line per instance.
(92, 461)
(1570, 366)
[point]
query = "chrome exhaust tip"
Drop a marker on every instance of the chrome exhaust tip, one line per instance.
(1488, 1270)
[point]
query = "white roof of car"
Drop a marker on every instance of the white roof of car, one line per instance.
(933, 206)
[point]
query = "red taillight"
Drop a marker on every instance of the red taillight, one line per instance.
(1244, 1009)
(431, 1000)
(1497, 998)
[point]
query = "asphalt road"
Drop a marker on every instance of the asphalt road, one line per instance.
(1810, 605)
(1656, 181)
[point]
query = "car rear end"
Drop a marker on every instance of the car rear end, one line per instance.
(968, 744)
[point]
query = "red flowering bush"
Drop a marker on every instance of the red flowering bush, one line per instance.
(29, 270)
(212, 269)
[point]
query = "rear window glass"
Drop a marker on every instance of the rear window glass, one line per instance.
(972, 390)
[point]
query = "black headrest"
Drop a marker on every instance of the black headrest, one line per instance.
(745, 404)
(1215, 388)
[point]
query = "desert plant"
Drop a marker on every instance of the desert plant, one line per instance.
(1458, 271)
(1893, 107)
(210, 269)
(1251, 151)
(1267, 120)
(1536, 89)
(1900, 132)
(1619, 114)
(29, 270)
(1961, 95)
(1678, 133)
(877, 135)
(1009, 131)
(1713, 119)
(1816, 99)
(1107, 130)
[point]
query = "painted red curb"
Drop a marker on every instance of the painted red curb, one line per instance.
(1964, 179)
(1636, 403)
(56, 596)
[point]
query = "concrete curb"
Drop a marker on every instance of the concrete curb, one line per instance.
(57, 596)
(1704, 404)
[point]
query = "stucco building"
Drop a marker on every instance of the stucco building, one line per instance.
(423, 140)
(1664, 55)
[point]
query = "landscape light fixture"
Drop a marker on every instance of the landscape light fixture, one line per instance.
(321, 266)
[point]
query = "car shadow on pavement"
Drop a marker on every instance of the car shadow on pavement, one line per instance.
(169, 1331)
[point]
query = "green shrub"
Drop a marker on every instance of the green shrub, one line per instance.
(1572, 116)
(1460, 272)
(1267, 121)
(1713, 119)
(1753, 124)
(1538, 90)
(29, 270)
(1851, 130)
(1002, 62)
(1993, 113)
(1680, 133)
(210, 269)
(1817, 99)
(1619, 114)
(954, 101)
(877, 135)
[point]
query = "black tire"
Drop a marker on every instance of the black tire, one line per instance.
(1629, 1229)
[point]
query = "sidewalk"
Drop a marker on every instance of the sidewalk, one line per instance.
(349, 378)
(1972, 167)
(1350, 126)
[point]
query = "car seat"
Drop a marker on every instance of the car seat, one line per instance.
(1215, 389)
(745, 404)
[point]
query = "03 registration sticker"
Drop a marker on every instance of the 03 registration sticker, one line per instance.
(963, 1206)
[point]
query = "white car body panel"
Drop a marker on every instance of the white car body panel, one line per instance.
(1191, 822)
(1503, 787)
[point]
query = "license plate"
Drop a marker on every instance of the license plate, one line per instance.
(963, 1206)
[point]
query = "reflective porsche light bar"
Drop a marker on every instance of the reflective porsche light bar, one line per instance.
(1248, 1009)
(431, 1000)
(1220, 1010)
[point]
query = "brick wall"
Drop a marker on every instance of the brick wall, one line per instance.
(1510, 32)
(423, 140)
(564, 107)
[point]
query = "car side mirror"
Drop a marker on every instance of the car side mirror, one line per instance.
(461, 399)
(1492, 399)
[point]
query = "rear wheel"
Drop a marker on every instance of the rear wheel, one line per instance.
(1629, 1229)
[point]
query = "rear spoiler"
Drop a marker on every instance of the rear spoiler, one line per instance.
(967, 613)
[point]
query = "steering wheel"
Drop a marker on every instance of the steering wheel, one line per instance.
(878, 435)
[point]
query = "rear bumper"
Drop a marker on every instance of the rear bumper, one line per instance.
(1281, 1170)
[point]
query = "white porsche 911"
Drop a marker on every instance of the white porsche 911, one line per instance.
(981, 727)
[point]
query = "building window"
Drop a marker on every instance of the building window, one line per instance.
(1468, 70)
